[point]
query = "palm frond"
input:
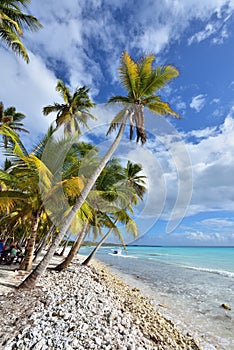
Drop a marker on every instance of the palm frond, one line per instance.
(13, 41)
(128, 72)
(144, 70)
(8, 199)
(52, 108)
(159, 78)
(63, 90)
(44, 173)
(119, 119)
(162, 108)
(121, 99)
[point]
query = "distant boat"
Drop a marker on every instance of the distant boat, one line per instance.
(116, 251)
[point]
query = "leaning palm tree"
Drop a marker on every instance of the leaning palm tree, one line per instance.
(12, 23)
(141, 81)
(133, 184)
(75, 109)
(130, 226)
(13, 119)
(99, 199)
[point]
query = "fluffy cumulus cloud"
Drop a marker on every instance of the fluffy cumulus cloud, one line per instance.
(82, 42)
(186, 178)
(198, 102)
(78, 38)
(213, 166)
(205, 237)
(29, 88)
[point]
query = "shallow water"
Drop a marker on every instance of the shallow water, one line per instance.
(191, 282)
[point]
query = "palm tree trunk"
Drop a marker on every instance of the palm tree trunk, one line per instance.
(73, 251)
(30, 281)
(139, 119)
(26, 264)
(65, 245)
(91, 255)
(43, 243)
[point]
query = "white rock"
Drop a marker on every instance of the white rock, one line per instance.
(98, 341)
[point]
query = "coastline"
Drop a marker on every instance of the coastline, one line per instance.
(87, 308)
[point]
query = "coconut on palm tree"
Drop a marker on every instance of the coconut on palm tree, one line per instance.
(142, 82)
(12, 23)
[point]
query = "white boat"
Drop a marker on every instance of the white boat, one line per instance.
(117, 251)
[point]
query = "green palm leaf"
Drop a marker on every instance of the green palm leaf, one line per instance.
(119, 119)
(128, 72)
(162, 108)
(12, 23)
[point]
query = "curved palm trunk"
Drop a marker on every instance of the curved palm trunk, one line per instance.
(26, 264)
(43, 243)
(30, 281)
(74, 250)
(65, 245)
(91, 255)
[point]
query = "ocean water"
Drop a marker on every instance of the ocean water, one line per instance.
(191, 282)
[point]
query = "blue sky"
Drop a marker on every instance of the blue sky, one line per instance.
(189, 163)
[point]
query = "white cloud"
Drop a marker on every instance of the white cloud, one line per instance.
(178, 169)
(29, 88)
(213, 166)
(204, 237)
(203, 133)
(215, 100)
(198, 102)
(67, 45)
(217, 223)
(181, 106)
(216, 29)
(204, 34)
(164, 26)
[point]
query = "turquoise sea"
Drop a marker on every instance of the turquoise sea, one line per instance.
(192, 282)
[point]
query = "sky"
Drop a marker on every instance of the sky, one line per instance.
(189, 163)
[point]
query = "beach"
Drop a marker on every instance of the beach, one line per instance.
(191, 282)
(85, 308)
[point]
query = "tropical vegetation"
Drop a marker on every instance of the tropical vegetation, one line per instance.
(63, 187)
(12, 23)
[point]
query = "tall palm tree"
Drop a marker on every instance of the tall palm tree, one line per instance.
(12, 23)
(13, 119)
(136, 77)
(75, 109)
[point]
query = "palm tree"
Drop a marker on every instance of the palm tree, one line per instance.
(99, 200)
(136, 184)
(75, 109)
(136, 77)
(12, 22)
(13, 119)
(141, 81)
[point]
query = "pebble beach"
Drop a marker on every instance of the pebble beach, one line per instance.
(85, 308)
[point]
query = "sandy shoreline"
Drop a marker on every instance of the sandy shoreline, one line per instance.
(83, 308)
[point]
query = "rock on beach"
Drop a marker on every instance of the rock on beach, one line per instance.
(86, 308)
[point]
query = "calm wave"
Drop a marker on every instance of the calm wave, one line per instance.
(193, 282)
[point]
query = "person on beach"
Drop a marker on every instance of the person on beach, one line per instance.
(1, 245)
